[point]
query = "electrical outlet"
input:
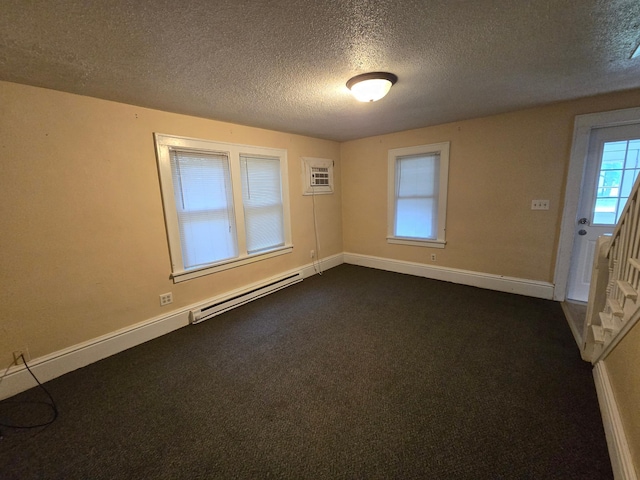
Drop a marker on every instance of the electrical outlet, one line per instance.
(166, 299)
(433, 257)
(312, 254)
(539, 204)
(19, 354)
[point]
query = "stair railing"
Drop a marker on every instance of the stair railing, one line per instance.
(613, 307)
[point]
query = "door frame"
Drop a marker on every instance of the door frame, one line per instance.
(579, 148)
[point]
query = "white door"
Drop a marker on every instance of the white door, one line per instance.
(613, 163)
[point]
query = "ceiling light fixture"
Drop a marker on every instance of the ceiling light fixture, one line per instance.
(370, 87)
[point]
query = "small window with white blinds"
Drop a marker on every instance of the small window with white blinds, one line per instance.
(417, 195)
(225, 205)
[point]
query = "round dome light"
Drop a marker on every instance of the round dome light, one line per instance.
(370, 87)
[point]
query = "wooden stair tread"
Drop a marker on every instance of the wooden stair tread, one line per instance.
(627, 290)
(615, 307)
(635, 263)
(610, 323)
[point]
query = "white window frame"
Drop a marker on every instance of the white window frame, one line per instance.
(164, 145)
(443, 150)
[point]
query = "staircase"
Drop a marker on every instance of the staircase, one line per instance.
(613, 306)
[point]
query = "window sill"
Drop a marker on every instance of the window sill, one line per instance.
(416, 243)
(226, 265)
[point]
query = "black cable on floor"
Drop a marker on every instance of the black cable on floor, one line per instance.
(53, 405)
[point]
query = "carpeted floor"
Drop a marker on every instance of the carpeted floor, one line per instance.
(358, 373)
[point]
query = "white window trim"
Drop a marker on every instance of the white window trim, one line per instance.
(443, 150)
(164, 145)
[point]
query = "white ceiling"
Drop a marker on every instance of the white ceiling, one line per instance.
(283, 64)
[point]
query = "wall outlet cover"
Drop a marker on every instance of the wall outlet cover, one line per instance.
(539, 204)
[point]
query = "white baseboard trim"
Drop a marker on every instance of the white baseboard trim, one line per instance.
(48, 367)
(80, 355)
(322, 264)
(531, 288)
(621, 459)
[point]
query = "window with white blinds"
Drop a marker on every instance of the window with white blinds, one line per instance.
(204, 205)
(418, 194)
(262, 202)
(225, 205)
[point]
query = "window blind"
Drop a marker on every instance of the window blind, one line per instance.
(262, 202)
(204, 204)
(416, 202)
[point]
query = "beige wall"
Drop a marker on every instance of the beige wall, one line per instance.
(84, 249)
(498, 164)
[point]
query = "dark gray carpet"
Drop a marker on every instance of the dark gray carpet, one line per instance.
(356, 374)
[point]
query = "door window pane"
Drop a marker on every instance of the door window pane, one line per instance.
(605, 211)
(618, 171)
(627, 182)
(609, 183)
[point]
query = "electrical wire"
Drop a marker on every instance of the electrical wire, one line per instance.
(318, 270)
(53, 405)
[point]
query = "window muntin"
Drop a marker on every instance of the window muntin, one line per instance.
(417, 195)
(225, 205)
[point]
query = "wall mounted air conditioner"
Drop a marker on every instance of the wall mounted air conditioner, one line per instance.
(317, 176)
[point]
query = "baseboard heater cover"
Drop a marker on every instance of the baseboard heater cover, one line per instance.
(203, 313)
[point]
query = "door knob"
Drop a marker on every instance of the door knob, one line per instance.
(582, 232)
(583, 221)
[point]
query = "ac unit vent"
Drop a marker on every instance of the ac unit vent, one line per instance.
(317, 176)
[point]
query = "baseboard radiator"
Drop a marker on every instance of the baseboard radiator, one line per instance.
(205, 312)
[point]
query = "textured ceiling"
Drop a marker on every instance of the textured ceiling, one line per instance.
(283, 64)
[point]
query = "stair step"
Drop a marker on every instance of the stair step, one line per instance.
(615, 307)
(627, 290)
(635, 263)
(610, 323)
(598, 334)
